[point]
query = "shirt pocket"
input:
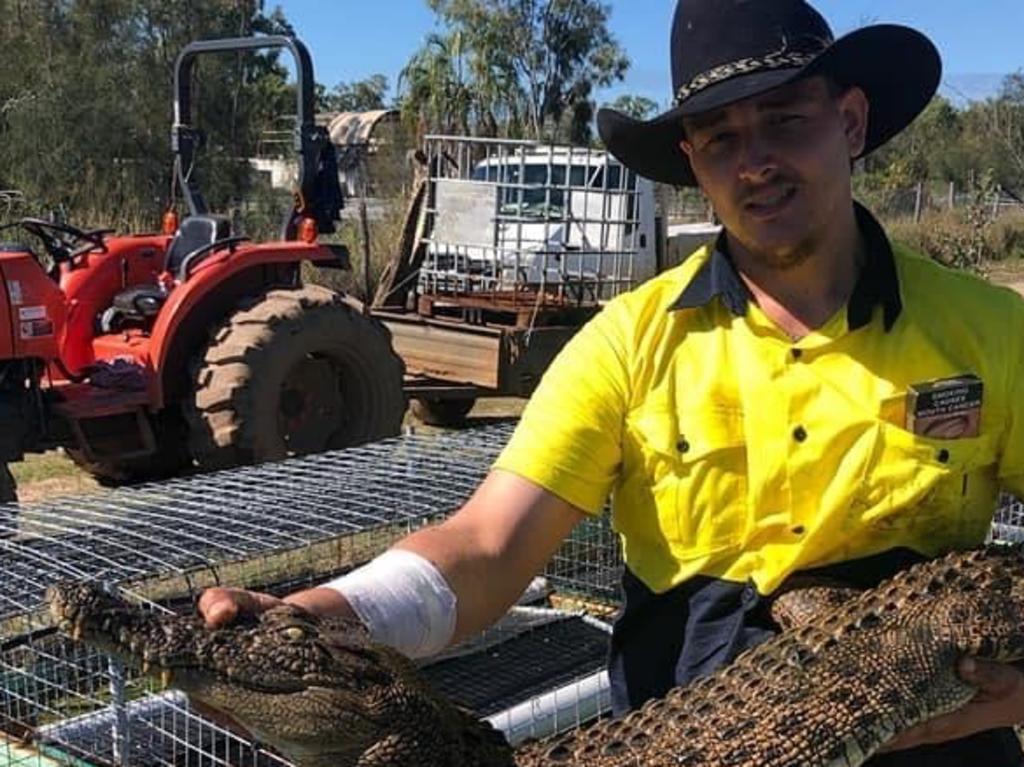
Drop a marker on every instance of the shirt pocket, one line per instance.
(940, 491)
(695, 464)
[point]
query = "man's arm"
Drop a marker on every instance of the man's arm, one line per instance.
(487, 552)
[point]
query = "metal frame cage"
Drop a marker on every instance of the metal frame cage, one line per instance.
(520, 220)
(275, 527)
(279, 527)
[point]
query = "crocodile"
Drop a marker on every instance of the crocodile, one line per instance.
(827, 692)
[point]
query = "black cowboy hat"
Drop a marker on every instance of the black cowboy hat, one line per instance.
(727, 50)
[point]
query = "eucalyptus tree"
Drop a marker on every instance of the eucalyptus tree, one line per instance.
(356, 96)
(526, 67)
(85, 105)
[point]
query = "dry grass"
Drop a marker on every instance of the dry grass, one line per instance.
(961, 240)
(50, 475)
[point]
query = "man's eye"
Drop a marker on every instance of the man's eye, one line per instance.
(719, 139)
(787, 119)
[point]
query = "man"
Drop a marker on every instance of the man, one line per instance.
(748, 411)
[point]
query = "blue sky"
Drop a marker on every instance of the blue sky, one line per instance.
(352, 39)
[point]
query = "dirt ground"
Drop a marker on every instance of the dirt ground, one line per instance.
(53, 474)
(1009, 273)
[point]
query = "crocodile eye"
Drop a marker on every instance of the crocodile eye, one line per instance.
(294, 633)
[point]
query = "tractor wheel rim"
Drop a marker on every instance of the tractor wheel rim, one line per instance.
(310, 408)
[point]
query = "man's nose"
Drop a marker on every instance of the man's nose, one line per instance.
(757, 157)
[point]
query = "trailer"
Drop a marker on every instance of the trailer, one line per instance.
(509, 248)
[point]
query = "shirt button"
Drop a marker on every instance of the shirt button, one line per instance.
(799, 530)
(682, 445)
(943, 456)
(799, 433)
(798, 353)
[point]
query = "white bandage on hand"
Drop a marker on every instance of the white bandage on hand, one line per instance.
(404, 601)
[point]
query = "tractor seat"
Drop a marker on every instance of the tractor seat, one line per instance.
(194, 233)
(137, 304)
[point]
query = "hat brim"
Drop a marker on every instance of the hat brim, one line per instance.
(898, 68)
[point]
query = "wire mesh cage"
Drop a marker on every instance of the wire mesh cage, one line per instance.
(585, 572)
(519, 222)
(1008, 522)
(275, 528)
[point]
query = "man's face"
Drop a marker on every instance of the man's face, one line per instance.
(777, 166)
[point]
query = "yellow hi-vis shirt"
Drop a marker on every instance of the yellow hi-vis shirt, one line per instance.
(733, 452)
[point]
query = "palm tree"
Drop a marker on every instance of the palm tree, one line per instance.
(432, 86)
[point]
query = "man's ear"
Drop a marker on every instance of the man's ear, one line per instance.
(854, 111)
(686, 146)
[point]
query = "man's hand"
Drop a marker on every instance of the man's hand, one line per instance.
(999, 702)
(220, 606)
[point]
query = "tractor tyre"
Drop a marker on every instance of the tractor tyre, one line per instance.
(299, 371)
(171, 458)
(442, 412)
(8, 487)
(132, 471)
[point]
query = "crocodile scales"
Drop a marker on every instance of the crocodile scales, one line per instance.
(827, 693)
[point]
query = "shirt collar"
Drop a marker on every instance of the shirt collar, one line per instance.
(877, 283)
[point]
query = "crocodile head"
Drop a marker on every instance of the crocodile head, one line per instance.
(316, 690)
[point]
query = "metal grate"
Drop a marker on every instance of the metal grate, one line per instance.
(277, 527)
(1008, 523)
(300, 518)
(517, 668)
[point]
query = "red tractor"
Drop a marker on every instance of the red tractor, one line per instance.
(143, 355)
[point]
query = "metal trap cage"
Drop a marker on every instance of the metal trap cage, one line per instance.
(276, 528)
(1008, 522)
(586, 571)
(514, 227)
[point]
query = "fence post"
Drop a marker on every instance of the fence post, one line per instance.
(995, 200)
(918, 199)
(952, 195)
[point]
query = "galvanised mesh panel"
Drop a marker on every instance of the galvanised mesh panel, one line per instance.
(527, 664)
(1008, 524)
(311, 516)
(278, 526)
(587, 567)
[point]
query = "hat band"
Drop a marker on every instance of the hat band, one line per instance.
(742, 67)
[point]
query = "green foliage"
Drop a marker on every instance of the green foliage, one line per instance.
(637, 107)
(357, 96)
(383, 231)
(949, 144)
(86, 97)
(512, 68)
(968, 237)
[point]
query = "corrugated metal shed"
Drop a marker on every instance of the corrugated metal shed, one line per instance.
(352, 129)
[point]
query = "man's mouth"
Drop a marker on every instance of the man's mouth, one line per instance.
(769, 203)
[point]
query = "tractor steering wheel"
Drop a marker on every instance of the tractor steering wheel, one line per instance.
(60, 239)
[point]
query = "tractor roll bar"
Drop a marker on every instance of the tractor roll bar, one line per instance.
(312, 142)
